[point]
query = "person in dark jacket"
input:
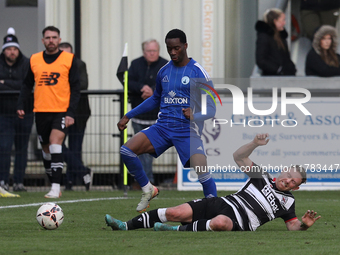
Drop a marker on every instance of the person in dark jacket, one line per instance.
(13, 68)
(73, 153)
(322, 60)
(142, 83)
(272, 54)
(315, 13)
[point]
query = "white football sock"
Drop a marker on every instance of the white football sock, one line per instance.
(147, 187)
(55, 188)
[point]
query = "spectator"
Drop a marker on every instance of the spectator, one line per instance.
(13, 69)
(272, 54)
(56, 96)
(73, 154)
(322, 60)
(142, 83)
(4, 193)
(315, 13)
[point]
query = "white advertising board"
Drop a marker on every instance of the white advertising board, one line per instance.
(312, 141)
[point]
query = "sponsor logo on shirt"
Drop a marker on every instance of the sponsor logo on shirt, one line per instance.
(49, 79)
(266, 191)
(172, 93)
(175, 100)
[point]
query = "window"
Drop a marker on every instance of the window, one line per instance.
(21, 3)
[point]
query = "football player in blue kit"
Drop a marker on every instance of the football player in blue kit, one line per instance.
(179, 88)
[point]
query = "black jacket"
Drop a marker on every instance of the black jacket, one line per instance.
(317, 67)
(83, 110)
(319, 5)
(141, 74)
(271, 59)
(13, 77)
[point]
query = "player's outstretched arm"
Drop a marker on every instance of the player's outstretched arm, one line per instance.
(122, 124)
(307, 220)
(241, 155)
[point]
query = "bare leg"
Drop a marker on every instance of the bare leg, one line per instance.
(137, 145)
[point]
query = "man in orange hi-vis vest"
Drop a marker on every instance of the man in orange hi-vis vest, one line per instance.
(56, 94)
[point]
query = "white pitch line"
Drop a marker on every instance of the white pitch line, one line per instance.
(77, 201)
(64, 202)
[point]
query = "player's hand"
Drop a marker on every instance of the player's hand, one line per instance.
(261, 139)
(310, 218)
(21, 113)
(69, 121)
(147, 92)
(122, 123)
(188, 113)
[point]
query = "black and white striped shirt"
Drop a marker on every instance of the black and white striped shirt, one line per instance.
(259, 201)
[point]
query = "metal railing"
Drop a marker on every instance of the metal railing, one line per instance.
(101, 146)
(102, 142)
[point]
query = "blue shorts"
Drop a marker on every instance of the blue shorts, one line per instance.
(186, 141)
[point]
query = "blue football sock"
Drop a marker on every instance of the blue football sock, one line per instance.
(208, 184)
(134, 165)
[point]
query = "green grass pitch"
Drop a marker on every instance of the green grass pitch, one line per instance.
(84, 231)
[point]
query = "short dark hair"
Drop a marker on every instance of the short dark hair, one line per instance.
(176, 33)
(51, 28)
(66, 45)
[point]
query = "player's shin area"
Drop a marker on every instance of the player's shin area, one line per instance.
(201, 169)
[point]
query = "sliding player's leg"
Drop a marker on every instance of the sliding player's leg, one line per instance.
(181, 213)
(207, 214)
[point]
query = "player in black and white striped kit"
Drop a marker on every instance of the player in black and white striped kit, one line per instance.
(260, 200)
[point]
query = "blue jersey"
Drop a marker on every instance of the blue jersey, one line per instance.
(178, 88)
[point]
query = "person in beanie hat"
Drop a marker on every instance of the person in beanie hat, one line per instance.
(13, 68)
(10, 39)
